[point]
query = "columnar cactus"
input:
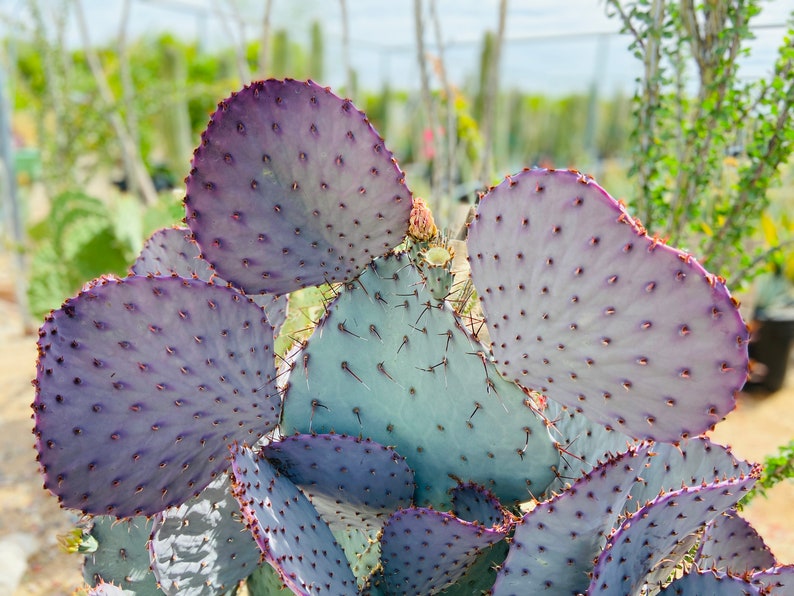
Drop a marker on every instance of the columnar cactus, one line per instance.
(394, 452)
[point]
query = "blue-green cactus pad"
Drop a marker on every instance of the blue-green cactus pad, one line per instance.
(391, 364)
(583, 444)
(202, 547)
(121, 558)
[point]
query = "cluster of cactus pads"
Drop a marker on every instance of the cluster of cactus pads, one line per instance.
(531, 423)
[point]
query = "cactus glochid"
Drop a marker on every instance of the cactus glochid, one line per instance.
(393, 452)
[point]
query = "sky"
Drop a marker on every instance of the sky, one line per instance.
(552, 46)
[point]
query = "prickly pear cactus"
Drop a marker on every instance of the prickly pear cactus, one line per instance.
(202, 546)
(292, 187)
(419, 382)
(413, 540)
(121, 558)
(731, 544)
(579, 300)
(347, 496)
(172, 251)
(390, 451)
(160, 374)
(708, 582)
(289, 531)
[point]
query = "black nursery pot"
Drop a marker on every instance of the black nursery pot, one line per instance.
(771, 346)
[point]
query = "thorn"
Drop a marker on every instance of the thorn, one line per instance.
(477, 406)
(343, 329)
(346, 368)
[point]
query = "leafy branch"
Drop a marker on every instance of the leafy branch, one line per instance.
(709, 145)
(777, 467)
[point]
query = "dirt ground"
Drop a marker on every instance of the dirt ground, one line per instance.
(30, 518)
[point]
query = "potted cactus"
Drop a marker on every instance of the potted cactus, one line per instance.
(546, 435)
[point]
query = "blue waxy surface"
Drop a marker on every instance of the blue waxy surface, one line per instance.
(201, 546)
(391, 364)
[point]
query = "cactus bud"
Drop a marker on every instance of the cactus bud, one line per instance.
(421, 227)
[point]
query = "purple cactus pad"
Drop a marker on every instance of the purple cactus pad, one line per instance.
(708, 582)
(171, 251)
(584, 307)
(731, 545)
(352, 482)
(424, 551)
(141, 385)
(649, 538)
(291, 534)
(554, 545)
(292, 187)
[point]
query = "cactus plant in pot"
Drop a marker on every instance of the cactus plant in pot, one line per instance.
(394, 451)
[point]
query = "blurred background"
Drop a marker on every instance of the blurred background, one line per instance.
(106, 100)
(684, 112)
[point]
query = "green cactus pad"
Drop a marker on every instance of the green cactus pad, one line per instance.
(291, 534)
(122, 558)
(266, 581)
(141, 384)
(585, 308)
(362, 550)
(583, 444)
(292, 187)
(391, 364)
(201, 546)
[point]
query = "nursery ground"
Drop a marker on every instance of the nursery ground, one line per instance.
(30, 518)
